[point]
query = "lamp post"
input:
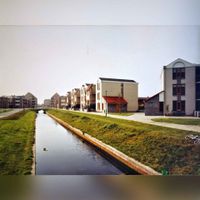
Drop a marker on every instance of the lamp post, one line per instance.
(106, 110)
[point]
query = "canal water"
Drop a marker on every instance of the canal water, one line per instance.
(60, 152)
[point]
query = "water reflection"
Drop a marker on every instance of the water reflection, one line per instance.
(59, 152)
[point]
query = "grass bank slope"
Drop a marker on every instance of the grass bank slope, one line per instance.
(158, 147)
(16, 141)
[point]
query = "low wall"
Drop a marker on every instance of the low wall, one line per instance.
(126, 160)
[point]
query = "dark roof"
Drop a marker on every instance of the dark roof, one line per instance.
(116, 79)
(154, 95)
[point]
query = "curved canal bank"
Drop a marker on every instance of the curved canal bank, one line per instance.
(60, 152)
(125, 160)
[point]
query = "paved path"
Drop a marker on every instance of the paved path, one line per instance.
(140, 117)
(6, 114)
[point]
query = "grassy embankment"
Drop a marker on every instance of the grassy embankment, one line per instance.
(16, 141)
(158, 147)
(195, 122)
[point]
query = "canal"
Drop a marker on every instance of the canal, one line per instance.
(60, 152)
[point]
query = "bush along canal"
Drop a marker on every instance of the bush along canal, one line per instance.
(60, 152)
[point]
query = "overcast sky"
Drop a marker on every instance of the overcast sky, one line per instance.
(64, 44)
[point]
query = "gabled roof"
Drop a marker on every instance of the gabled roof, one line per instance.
(116, 79)
(154, 96)
(89, 86)
(115, 100)
(55, 95)
(30, 95)
(180, 63)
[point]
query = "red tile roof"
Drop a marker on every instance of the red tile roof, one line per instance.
(115, 100)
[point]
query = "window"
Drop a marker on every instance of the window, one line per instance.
(197, 105)
(183, 106)
(179, 106)
(161, 106)
(98, 96)
(98, 86)
(178, 73)
(198, 91)
(174, 105)
(178, 89)
(98, 106)
(197, 74)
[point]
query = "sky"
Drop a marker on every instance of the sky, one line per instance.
(57, 46)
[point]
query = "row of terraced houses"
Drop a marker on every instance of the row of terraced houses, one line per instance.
(108, 94)
(180, 94)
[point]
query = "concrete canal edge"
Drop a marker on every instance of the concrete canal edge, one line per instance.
(34, 160)
(121, 157)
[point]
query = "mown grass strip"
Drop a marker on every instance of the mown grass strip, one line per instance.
(195, 122)
(16, 141)
(161, 148)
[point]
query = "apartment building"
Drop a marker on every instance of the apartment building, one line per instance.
(116, 95)
(75, 99)
(55, 101)
(91, 97)
(47, 103)
(182, 88)
(18, 101)
(4, 102)
(181, 95)
(31, 100)
(68, 100)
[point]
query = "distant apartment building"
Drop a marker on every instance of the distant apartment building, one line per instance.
(55, 101)
(31, 100)
(75, 99)
(116, 95)
(181, 94)
(47, 103)
(18, 101)
(63, 101)
(4, 102)
(68, 100)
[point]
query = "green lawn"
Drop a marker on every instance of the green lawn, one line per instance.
(2, 110)
(122, 114)
(179, 121)
(158, 147)
(16, 141)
